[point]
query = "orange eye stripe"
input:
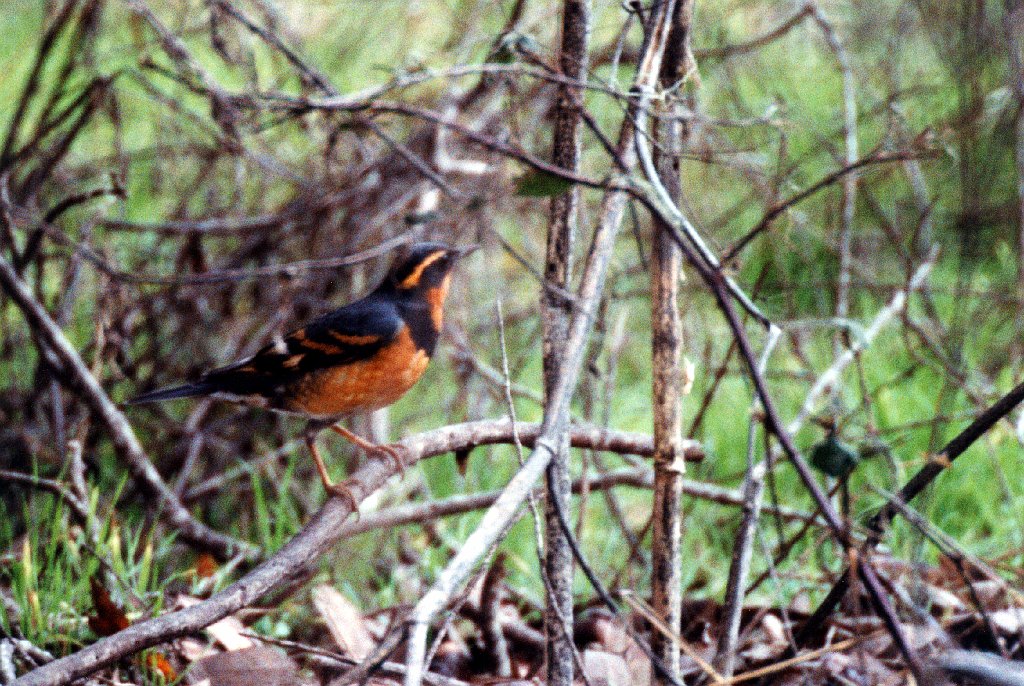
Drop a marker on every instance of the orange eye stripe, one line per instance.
(414, 278)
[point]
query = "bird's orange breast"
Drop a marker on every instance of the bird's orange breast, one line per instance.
(364, 385)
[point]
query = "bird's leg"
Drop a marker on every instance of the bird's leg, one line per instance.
(369, 447)
(333, 489)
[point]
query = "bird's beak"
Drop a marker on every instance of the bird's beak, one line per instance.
(465, 250)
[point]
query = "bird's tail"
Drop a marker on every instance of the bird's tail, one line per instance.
(188, 390)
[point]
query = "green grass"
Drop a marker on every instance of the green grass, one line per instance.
(980, 502)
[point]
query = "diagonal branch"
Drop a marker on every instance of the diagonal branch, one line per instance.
(315, 539)
(830, 376)
(935, 466)
(52, 340)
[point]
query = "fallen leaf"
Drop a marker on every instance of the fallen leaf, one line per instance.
(943, 599)
(344, 621)
(109, 618)
(598, 628)
(192, 649)
(158, 662)
(774, 629)
(605, 669)
(860, 668)
(227, 631)
(990, 592)
(260, 665)
(206, 566)
(1010, 620)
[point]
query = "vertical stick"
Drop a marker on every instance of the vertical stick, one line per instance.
(850, 180)
(558, 562)
(501, 514)
(1012, 24)
(739, 568)
(666, 351)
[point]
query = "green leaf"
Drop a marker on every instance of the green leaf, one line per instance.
(513, 44)
(506, 52)
(834, 457)
(541, 184)
(414, 218)
(873, 447)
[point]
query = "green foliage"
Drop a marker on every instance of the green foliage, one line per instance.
(833, 457)
(541, 184)
(908, 83)
(276, 518)
(51, 564)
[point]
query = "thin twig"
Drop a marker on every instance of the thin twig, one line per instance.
(288, 565)
(126, 444)
(739, 568)
(499, 517)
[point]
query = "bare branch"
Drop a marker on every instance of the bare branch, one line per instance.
(315, 539)
(558, 563)
(52, 340)
(502, 513)
(666, 356)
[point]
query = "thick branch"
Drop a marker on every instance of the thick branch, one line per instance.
(666, 354)
(558, 565)
(322, 531)
(499, 518)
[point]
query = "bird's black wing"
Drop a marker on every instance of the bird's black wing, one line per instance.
(352, 333)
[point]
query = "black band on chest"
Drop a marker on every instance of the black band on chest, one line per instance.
(421, 326)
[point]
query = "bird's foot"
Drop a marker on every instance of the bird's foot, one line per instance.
(343, 490)
(393, 451)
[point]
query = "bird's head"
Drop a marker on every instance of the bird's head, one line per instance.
(425, 267)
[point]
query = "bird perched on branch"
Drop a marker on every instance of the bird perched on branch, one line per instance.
(360, 357)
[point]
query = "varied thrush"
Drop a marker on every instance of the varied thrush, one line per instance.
(360, 357)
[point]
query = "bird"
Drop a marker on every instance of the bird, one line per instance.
(358, 358)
